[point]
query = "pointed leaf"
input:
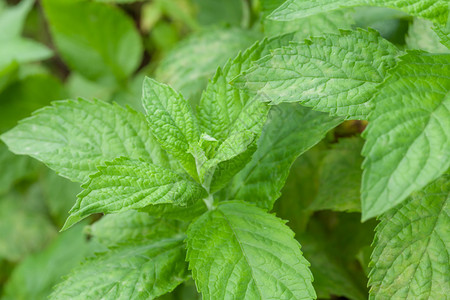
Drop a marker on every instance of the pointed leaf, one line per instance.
(112, 230)
(290, 130)
(240, 251)
(337, 73)
(411, 255)
(142, 270)
(125, 184)
(74, 137)
(172, 121)
(408, 141)
(434, 10)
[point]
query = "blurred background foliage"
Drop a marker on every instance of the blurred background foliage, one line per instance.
(60, 49)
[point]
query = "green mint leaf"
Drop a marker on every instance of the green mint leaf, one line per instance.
(141, 270)
(410, 259)
(233, 146)
(172, 121)
(188, 66)
(336, 73)
(434, 10)
(97, 40)
(112, 230)
(172, 212)
(340, 177)
(125, 184)
(239, 243)
(74, 137)
(290, 130)
(444, 34)
(227, 112)
(407, 132)
(65, 252)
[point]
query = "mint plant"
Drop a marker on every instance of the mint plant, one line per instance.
(336, 128)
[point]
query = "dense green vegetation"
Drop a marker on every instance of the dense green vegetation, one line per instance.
(200, 149)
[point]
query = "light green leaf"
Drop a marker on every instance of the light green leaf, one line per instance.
(408, 142)
(172, 121)
(421, 36)
(336, 73)
(22, 229)
(172, 212)
(12, 20)
(28, 281)
(444, 34)
(115, 229)
(232, 147)
(435, 10)
(290, 130)
(125, 184)
(74, 137)
(340, 177)
(97, 40)
(315, 25)
(226, 111)
(22, 51)
(14, 48)
(240, 251)
(143, 270)
(411, 255)
(189, 66)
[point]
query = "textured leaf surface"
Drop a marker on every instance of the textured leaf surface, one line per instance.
(435, 10)
(86, 32)
(28, 281)
(189, 66)
(74, 137)
(128, 226)
(290, 130)
(340, 177)
(336, 74)
(444, 35)
(240, 251)
(412, 247)
(408, 141)
(143, 270)
(172, 121)
(125, 184)
(226, 112)
(315, 25)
